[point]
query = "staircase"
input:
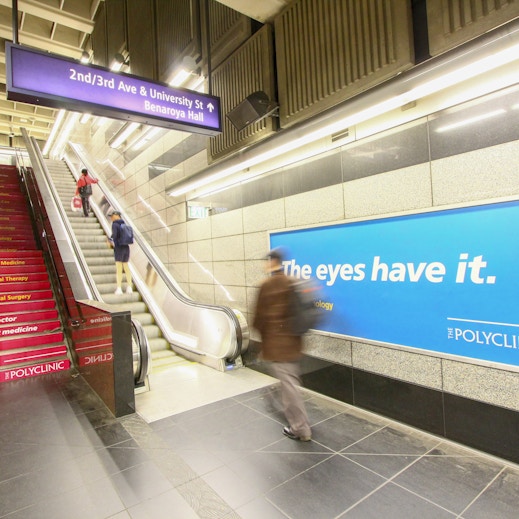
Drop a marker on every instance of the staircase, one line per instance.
(100, 260)
(31, 337)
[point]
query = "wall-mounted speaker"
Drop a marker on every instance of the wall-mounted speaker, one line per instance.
(253, 108)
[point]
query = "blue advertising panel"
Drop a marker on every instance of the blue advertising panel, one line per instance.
(443, 281)
(45, 79)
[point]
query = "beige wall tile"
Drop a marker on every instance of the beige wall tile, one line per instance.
(399, 364)
(493, 386)
(387, 193)
(315, 207)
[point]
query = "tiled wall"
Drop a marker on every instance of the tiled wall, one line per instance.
(411, 168)
(406, 169)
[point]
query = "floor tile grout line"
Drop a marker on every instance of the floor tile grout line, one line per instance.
(482, 492)
(406, 427)
(303, 471)
(385, 483)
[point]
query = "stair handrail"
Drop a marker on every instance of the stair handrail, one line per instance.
(91, 291)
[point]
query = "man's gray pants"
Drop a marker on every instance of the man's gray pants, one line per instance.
(288, 374)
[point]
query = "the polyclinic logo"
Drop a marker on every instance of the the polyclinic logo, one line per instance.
(485, 338)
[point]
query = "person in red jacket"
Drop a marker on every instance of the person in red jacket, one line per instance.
(280, 347)
(84, 189)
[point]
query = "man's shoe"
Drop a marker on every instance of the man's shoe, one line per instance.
(287, 431)
(129, 290)
(118, 291)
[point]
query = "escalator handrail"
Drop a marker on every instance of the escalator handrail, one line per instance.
(164, 273)
(144, 366)
(144, 348)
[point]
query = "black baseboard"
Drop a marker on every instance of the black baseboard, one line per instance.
(414, 405)
(485, 427)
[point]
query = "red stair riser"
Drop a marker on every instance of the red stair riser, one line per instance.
(33, 371)
(13, 198)
(22, 219)
(24, 286)
(8, 308)
(25, 328)
(13, 343)
(18, 245)
(9, 211)
(23, 277)
(9, 236)
(19, 237)
(24, 269)
(21, 256)
(26, 264)
(16, 202)
(28, 317)
(39, 355)
(12, 297)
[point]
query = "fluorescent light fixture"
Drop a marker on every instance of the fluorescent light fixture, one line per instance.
(443, 81)
(118, 62)
(146, 138)
(179, 78)
(85, 118)
(85, 57)
(72, 120)
(470, 120)
(186, 70)
(54, 131)
(123, 134)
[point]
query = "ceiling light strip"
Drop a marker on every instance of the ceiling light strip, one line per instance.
(482, 55)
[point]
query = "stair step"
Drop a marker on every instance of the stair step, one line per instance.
(15, 218)
(34, 370)
(13, 343)
(28, 277)
(25, 355)
(18, 245)
(26, 306)
(23, 286)
(15, 297)
(20, 270)
(17, 234)
(22, 257)
(15, 330)
(158, 344)
(28, 317)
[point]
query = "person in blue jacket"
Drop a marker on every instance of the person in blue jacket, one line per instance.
(121, 254)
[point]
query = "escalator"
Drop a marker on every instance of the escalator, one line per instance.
(99, 258)
(175, 327)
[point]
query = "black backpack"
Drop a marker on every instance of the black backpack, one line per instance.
(85, 190)
(305, 314)
(125, 234)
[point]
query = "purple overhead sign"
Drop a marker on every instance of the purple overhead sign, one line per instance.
(41, 78)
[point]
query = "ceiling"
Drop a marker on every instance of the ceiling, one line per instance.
(64, 27)
(59, 26)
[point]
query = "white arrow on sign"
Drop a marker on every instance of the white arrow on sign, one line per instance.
(210, 107)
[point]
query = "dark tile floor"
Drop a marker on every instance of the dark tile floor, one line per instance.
(62, 455)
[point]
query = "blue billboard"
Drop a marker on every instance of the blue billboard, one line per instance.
(445, 281)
